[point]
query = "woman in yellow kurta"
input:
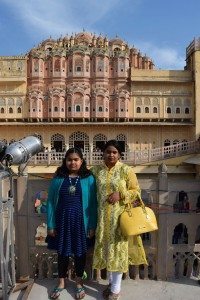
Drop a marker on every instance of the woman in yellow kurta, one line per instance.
(116, 185)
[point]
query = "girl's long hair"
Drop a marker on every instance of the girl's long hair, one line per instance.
(63, 171)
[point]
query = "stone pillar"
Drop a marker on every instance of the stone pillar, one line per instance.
(22, 234)
(162, 224)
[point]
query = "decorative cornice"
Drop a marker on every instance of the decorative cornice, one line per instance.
(14, 57)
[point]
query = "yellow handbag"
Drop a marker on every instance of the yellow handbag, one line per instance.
(137, 220)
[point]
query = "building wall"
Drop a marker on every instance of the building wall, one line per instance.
(137, 137)
(81, 80)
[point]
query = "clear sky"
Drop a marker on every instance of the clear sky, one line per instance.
(162, 29)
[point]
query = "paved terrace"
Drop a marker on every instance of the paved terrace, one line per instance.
(185, 289)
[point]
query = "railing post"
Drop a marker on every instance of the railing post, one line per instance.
(35, 160)
(90, 160)
(149, 155)
(48, 158)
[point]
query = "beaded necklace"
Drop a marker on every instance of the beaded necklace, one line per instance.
(72, 187)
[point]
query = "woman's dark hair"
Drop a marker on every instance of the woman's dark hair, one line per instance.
(113, 143)
(83, 172)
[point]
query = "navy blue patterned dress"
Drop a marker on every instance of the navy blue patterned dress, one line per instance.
(71, 236)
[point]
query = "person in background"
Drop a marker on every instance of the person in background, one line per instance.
(116, 185)
(71, 217)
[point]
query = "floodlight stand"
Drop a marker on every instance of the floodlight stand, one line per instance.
(7, 239)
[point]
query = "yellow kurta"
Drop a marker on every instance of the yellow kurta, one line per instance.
(112, 250)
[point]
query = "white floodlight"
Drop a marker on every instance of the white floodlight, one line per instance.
(19, 152)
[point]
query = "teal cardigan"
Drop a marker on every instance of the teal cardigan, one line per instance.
(89, 201)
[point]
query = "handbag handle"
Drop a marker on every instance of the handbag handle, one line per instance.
(128, 206)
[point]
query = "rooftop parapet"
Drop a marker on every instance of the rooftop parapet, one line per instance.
(193, 46)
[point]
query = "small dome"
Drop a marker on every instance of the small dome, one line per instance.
(48, 41)
(117, 41)
(66, 38)
(83, 37)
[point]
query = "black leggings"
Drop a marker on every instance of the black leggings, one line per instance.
(63, 262)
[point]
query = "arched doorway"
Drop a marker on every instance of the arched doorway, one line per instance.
(57, 142)
(80, 140)
(99, 142)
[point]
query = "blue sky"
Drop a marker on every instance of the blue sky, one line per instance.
(162, 29)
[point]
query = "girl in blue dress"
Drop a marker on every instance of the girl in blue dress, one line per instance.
(71, 217)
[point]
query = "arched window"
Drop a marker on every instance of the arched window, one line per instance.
(178, 110)
(138, 110)
(57, 65)
(48, 50)
(122, 140)
(78, 69)
(100, 64)
(146, 110)
(187, 110)
(116, 50)
(19, 110)
(182, 204)
(100, 108)
(155, 110)
(80, 140)
(180, 234)
(86, 108)
(10, 110)
(2, 110)
(78, 108)
(99, 141)
(69, 108)
(169, 111)
(78, 64)
(56, 108)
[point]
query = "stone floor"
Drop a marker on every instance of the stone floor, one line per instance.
(185, 289)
